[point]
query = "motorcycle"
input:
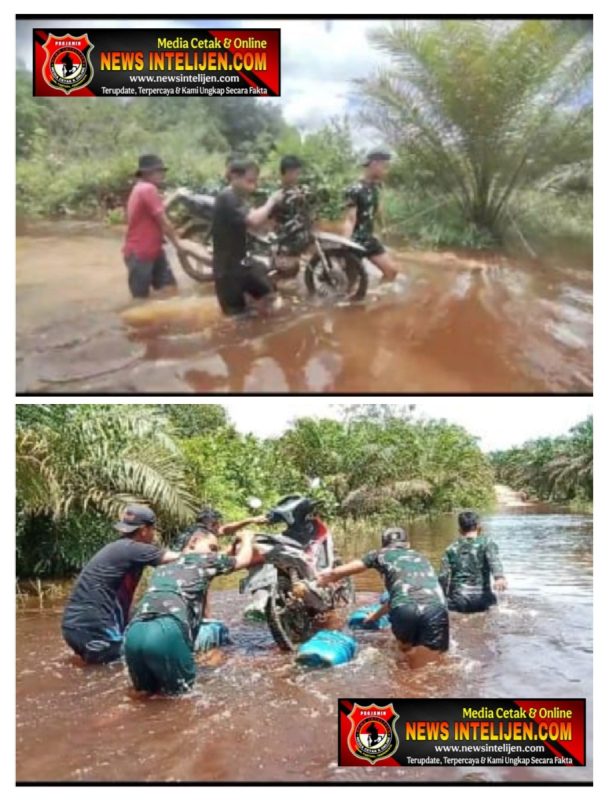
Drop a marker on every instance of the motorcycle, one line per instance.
(283, 571)
(333, 265)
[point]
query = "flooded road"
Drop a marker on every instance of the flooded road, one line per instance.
(463, 323)
(257, 717)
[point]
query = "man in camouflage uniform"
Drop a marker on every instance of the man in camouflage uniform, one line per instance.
(467, 566)
(292, 213)
(416, 605)
(160, 639)
(363, 200)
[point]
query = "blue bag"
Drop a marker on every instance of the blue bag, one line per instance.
(212, 633)
(356, 619)
(327, 649)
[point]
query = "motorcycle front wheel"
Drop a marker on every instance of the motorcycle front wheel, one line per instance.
(197, 263)
(287, 618)
(346, 278)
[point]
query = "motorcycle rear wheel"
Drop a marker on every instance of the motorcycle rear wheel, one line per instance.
(199, 269)
(289, 622)
(347, 271)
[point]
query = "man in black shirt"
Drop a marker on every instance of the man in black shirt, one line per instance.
(97, 611)
(237, 281)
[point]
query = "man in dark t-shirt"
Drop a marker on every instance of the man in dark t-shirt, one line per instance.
(97, 611)
(237, 281)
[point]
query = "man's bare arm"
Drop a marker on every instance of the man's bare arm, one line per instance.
(170, 231)
(169, 556)
(232, 527)
(380, 612)
(342, 571)
(349, 222)
(245, 551)
(258, 216)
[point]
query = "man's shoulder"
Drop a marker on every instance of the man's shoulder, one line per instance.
(145, 189)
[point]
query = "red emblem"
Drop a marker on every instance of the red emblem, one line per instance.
(372, 735)
(67, 65)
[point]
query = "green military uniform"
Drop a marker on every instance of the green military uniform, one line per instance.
(293, 217)
(417, 611)
(465, 576)
(364, 196)
(161, 636)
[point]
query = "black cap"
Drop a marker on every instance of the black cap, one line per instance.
(393, 535)
(376, 155)
(209, 516)
(149, 163)
(135, 517)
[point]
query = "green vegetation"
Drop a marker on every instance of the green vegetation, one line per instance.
(554, 469)
(491, 124)
(77, 465)
(479, 110)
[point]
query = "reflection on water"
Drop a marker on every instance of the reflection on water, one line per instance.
(258, 717)
(460, 325)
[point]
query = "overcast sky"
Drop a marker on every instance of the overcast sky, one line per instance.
(320, 59)
(499, 422)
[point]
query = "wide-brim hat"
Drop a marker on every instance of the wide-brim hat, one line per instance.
(150, 163)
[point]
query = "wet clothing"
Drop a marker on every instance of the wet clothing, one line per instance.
(159, 658)
(144, 237)
(97, 611)
(232, 287)
(465, 576)
(364, 196)
(146, 274)
(427, 627)
(417, 606)
(233, 276)
(161, 637)
(292, 216)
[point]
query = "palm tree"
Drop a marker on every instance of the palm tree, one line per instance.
(483, 108)
(98, 458)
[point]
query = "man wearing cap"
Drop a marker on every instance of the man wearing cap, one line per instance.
(161, 637)
(97, 611)
(147, 226)
(416, 604)
(363, 200)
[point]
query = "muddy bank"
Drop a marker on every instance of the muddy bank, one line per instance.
(464, 323)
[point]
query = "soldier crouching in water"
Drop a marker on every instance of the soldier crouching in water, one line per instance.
(416, 605)
(467, 566)
(363, 203)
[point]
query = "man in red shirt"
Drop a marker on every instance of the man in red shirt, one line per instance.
(147, 226)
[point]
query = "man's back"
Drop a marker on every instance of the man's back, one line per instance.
(229, 230)
(103, 591)
(468, 562)
(408, 575)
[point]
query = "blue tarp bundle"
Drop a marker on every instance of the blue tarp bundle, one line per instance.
(327, 649)
(212, 633)
(356, 619)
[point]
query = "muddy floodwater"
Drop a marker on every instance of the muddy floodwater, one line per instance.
(255, 716)
(461, 323)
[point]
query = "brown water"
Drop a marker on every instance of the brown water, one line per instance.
(464, 323)
(257, 717)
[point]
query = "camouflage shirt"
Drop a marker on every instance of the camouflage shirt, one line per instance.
(468, 564)
(364, 196)
(179, 589)
(409, 577)
(292, 215)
